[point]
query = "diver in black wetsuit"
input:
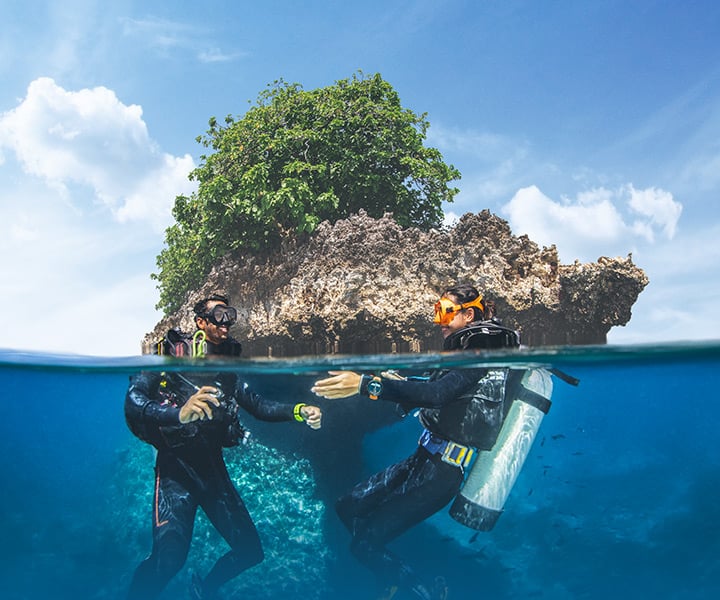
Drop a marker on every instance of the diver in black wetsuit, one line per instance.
(462, 410)
(189, 418)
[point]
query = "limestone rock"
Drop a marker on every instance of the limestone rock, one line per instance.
(365, 285)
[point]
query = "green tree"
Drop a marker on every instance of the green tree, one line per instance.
(295, 159)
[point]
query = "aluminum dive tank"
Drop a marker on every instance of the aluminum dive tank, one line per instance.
(482, 498)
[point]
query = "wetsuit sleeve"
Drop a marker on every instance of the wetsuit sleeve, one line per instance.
(142, 404)
(432, 393)
(262, 408)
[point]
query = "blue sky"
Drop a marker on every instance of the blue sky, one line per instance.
(591, 125)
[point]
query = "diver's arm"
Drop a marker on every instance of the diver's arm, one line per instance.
(262, 408)
(141, 405)
(408, 393)
(426, 394)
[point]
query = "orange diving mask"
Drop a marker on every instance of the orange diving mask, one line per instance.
(445, 309)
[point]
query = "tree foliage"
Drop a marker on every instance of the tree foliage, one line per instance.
(295, 159)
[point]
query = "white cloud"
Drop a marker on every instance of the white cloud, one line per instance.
(85, 203)
(90, 138)
(159, 33)
(161, 183)
(164, 35)
(599, 222)
(215, 55)
(658, 207)
(680, 302)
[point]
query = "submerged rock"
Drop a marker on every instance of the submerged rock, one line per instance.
(365, 285)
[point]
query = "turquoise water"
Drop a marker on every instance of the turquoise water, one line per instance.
(618, 497)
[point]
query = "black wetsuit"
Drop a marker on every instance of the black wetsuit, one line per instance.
(463, 406)
(190, 472)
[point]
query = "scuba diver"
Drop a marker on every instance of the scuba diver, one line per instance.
(462, 411)
(189, 418)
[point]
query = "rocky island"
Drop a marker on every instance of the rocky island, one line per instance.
(366, 286)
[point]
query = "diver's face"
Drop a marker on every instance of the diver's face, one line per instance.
(215, 334)
(461, 319)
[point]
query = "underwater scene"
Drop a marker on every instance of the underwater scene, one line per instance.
(618, 497)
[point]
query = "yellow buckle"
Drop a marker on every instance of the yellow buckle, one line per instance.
(457, 455)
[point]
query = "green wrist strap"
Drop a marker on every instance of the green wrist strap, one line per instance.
(296, 412)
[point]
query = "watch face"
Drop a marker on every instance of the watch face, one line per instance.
(374, 388)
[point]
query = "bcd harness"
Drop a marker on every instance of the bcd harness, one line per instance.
(179, 344)
(450, 452)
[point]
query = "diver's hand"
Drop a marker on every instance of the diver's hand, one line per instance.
(392, 374)
(342, 384)
(198, 408)
(312, 416)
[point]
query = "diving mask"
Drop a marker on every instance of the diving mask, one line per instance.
(445, 309)
(221, 314)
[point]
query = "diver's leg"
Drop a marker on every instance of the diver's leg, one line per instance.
(173, 517)
(227, 512)
(427, 485)
(367, 496)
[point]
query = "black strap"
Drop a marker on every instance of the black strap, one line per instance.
(565, 377)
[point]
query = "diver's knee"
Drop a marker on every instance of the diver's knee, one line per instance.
(258, 556)
(245, 558)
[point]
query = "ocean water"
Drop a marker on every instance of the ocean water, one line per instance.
(619, 496)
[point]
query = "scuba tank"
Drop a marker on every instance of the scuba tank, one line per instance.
(481, 499)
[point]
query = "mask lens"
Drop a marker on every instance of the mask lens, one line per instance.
(223, 315)
(445, 311)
